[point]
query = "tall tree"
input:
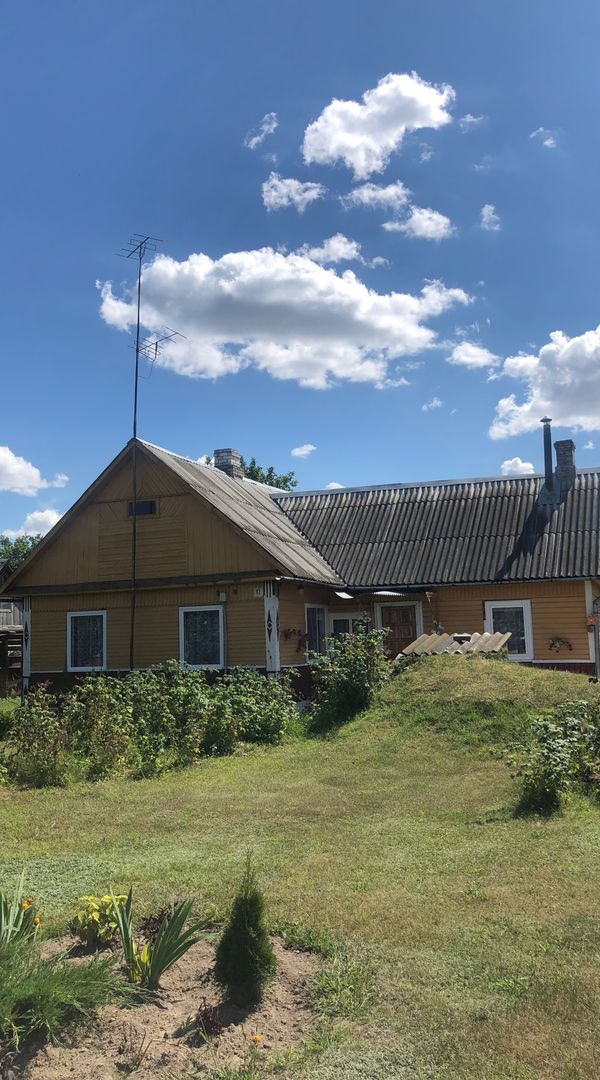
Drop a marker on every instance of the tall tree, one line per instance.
(15, 551)
(253, 471)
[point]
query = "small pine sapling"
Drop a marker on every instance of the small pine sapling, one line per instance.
(245, 962)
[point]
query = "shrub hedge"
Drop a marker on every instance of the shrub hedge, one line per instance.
(141, 724)
(347, 676)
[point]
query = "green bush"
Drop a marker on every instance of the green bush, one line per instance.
(7, 708)
(42, 997)
(98, 719)
(153, 722)
(95, 922)
(38, 742)
(245, 961)
(347, 676)
(264, 706)
(143, 724)
(564, 751)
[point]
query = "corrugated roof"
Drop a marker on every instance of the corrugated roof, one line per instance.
(251, 508)
(454, 532)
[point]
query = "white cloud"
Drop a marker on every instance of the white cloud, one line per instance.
(515, 467)
(20, 476)
(377, 196)
(338, 248)
(545, 136)
(256, 135)
(364, 134)
(435, 403)
(423, 224)
(588, 445)
(468, 122)
(426, 153)
(283, 314)
(333, 486)
(304, 450)
(39, 522)
(469, 355)
(489, 220)
(562, 380)
(279, 192)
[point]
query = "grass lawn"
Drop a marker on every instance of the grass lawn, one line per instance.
(397, 834)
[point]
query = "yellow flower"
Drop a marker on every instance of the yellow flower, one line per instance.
(26, 904)
(257, 1039)
(37, 921)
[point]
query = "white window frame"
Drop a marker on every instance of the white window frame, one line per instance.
(323, 607)
(360, 615)
(78, 614)
(525, 605)
(203, 607)
(417, 604)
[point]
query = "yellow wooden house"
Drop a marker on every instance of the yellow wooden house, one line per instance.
(165, 558)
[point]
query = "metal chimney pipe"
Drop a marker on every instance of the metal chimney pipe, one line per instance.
(548, 471)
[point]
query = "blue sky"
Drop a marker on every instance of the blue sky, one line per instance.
(137, 117)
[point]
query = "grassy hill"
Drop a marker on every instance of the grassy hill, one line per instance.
(479, 701)
(395, 833)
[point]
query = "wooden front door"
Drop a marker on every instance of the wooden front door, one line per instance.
(401, 621)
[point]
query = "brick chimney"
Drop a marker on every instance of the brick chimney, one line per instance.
(229, 461)
(565, 462)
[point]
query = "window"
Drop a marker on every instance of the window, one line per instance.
(201, 637)
(502, 616)
(347, 624)
(316, 629)
(143, 508)
(86, 640)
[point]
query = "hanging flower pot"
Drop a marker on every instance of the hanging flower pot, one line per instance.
(558, 643)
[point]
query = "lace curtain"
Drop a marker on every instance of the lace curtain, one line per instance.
(202, 638)
(87, 641)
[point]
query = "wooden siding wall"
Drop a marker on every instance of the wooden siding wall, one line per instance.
(292, 616)
(185, 537)
(157, 625)
(557, 610)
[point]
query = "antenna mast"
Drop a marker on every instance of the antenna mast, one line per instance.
(137, 247)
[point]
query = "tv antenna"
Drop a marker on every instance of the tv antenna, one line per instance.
(138, 245)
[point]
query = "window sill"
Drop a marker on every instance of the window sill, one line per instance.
(203, 667)
(85, 670)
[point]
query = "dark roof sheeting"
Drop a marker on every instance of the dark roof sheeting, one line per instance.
(452, 533)
(251, 508)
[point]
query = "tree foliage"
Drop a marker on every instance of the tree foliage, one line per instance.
(254, 471)
(17, 550)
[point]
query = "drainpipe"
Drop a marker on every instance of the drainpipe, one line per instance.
(595, 606)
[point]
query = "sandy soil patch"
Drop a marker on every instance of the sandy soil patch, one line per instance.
(159, 1032)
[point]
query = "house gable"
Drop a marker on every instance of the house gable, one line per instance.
(186, 537)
